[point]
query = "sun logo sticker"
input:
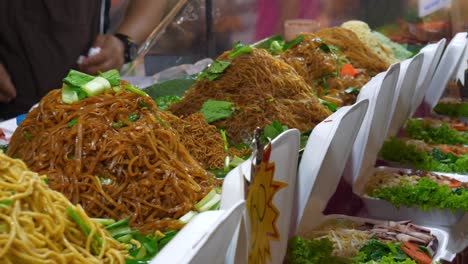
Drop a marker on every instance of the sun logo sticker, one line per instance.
(261, 211)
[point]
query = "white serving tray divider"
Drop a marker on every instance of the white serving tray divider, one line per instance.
(380, 92)
(322, 163)
(446, 69)
(432, 54)
(406, 87)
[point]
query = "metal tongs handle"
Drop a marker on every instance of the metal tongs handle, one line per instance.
(257, 157)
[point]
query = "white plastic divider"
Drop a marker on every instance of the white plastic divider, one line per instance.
(380, 92)
(446, 69)
(406, 86)
(323, 161)
(285, 154)
(203, 239)
(432, 54)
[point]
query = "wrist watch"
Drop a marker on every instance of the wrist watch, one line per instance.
(130, 47)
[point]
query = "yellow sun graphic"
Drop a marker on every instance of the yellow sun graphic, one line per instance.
(262, 213)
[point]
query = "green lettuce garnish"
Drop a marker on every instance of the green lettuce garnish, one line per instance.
(398, 150)
(427, 194)
(444, 134)
(215, 110)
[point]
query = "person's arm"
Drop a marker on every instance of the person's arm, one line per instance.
(141, 18)
(7, 89)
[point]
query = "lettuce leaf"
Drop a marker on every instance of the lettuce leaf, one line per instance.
(397, 150)
(427, 194)
(418, 129)
(215, 110)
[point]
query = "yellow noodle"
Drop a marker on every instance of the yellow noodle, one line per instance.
(35, 227)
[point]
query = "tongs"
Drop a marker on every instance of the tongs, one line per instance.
(257, 157)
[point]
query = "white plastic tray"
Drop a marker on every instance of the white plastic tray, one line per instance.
(380, 92)
(382, 209)
(203, 239)
(432, 54)
(443, 237)
(322, 163)
(404, 92)
(446, 69)
(285, 154)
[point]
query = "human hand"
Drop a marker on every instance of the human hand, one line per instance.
(7, 89)
(110, 57)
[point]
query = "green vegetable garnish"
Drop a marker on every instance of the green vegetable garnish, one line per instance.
(118, 124)
(293, 42)
(27, 135)
(427, 194)
(444, 134)
(72, 122)
(352, 90)
(164, 102)
(313, 251)
(273, 130)
(113, 76)
(84, 227)
(5, 203)
(46, 180)
(398, 150)
(333, 107)
(77, 79)
(133, 117)
(163, 123)
(145, 105)
(452, 110)
(239, 49)
(4, 148)
(135, 90)
(276, 47)
(214, 71)
(215, 110)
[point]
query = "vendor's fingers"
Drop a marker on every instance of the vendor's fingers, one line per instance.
(97, 59)
(95, 69)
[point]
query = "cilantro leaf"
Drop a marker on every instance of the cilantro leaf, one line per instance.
(215, 110)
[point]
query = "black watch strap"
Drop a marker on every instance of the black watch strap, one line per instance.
(130, 47)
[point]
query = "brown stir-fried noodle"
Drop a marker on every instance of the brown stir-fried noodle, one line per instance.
(263, 89)
(120, 159)
(321, 67)
(35, 227)
(202, 140)
(355, 51)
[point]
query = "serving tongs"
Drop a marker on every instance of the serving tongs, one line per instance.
(257, 157)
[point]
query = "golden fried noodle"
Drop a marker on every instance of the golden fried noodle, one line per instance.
(35, 227)
(116, 156)
(263, 89)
